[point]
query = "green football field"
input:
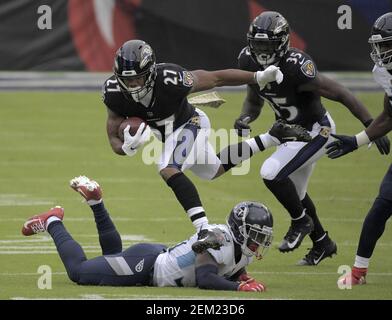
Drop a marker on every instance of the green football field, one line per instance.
(48, 138)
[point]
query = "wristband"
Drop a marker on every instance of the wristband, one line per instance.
(362, 138)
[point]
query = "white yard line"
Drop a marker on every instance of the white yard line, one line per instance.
(294, 273)
(142, 297)
(181, 218)
(304, 273)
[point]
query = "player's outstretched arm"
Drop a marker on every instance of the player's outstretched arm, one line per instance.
(205, 80)
(346, 144)
(382, 125)
(333, 90)
(251, 109)
(207, 277)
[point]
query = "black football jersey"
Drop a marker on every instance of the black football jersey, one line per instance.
(168, 103)
(303, 108)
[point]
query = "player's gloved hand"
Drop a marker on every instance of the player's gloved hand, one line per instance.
(383, 144)
(342, 146)
(242, 127)
(132, 143)
(251, 286)
(272, 73)
(245, 277)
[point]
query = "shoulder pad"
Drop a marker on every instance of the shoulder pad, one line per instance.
(110, 86)
(299, 64)
(245, 60)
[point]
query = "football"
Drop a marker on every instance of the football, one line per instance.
(133, 122)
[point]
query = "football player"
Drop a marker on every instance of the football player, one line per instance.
(297, 100)
(157, 93)
(214, 259)
(374, 224)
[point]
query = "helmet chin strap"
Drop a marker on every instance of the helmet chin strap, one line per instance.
(142, 94)
(267, 62)
(143, 97)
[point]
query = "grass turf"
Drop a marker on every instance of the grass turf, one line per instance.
(48, 138)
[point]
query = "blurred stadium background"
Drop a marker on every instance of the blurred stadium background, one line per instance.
(47, 137)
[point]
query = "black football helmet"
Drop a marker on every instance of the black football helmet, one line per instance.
(250, 224)
(268, 38)
(135, 60)
(381, 41)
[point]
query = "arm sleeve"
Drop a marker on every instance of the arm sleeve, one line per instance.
(177, 80)
(236, 275)
(299, 68)
(207, 278)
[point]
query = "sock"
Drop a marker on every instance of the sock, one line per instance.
(318, 232)
(373, 226)
(50, 220)
(188, 197)
(199, 222)
(71, 253)
(235, 154)
(109, 238)
(93, 202)
(361, 262)
(286, 193)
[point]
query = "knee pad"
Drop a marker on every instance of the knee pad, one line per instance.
(270, 169)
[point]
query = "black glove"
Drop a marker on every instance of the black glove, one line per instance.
(342, 146)
(383, 144)
(241, 126)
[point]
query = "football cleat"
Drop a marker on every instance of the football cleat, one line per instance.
(285, 132)
(88, 189)
(37, 223)
(296, 233)
(319, 252)
(355, 277)
(208, 239)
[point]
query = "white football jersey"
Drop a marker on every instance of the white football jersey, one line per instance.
(383, 78)
(176, 266)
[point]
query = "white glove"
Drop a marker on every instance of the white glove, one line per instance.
(132, 143)
(270, 74)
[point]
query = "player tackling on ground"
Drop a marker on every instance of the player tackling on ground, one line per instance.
(374, 224)
(157, 93)
(193, 262)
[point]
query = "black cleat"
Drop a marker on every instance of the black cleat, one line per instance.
(208, 239)
(319, 252)
(285, 132)
(297, 232)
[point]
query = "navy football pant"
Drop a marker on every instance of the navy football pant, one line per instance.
(131, 267)
(374, 224)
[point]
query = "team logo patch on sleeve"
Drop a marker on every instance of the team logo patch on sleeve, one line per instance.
(325, 132)
(187, 78)
(309, 69)
(195, 120)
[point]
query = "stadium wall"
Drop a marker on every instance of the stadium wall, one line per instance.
(84, 34)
